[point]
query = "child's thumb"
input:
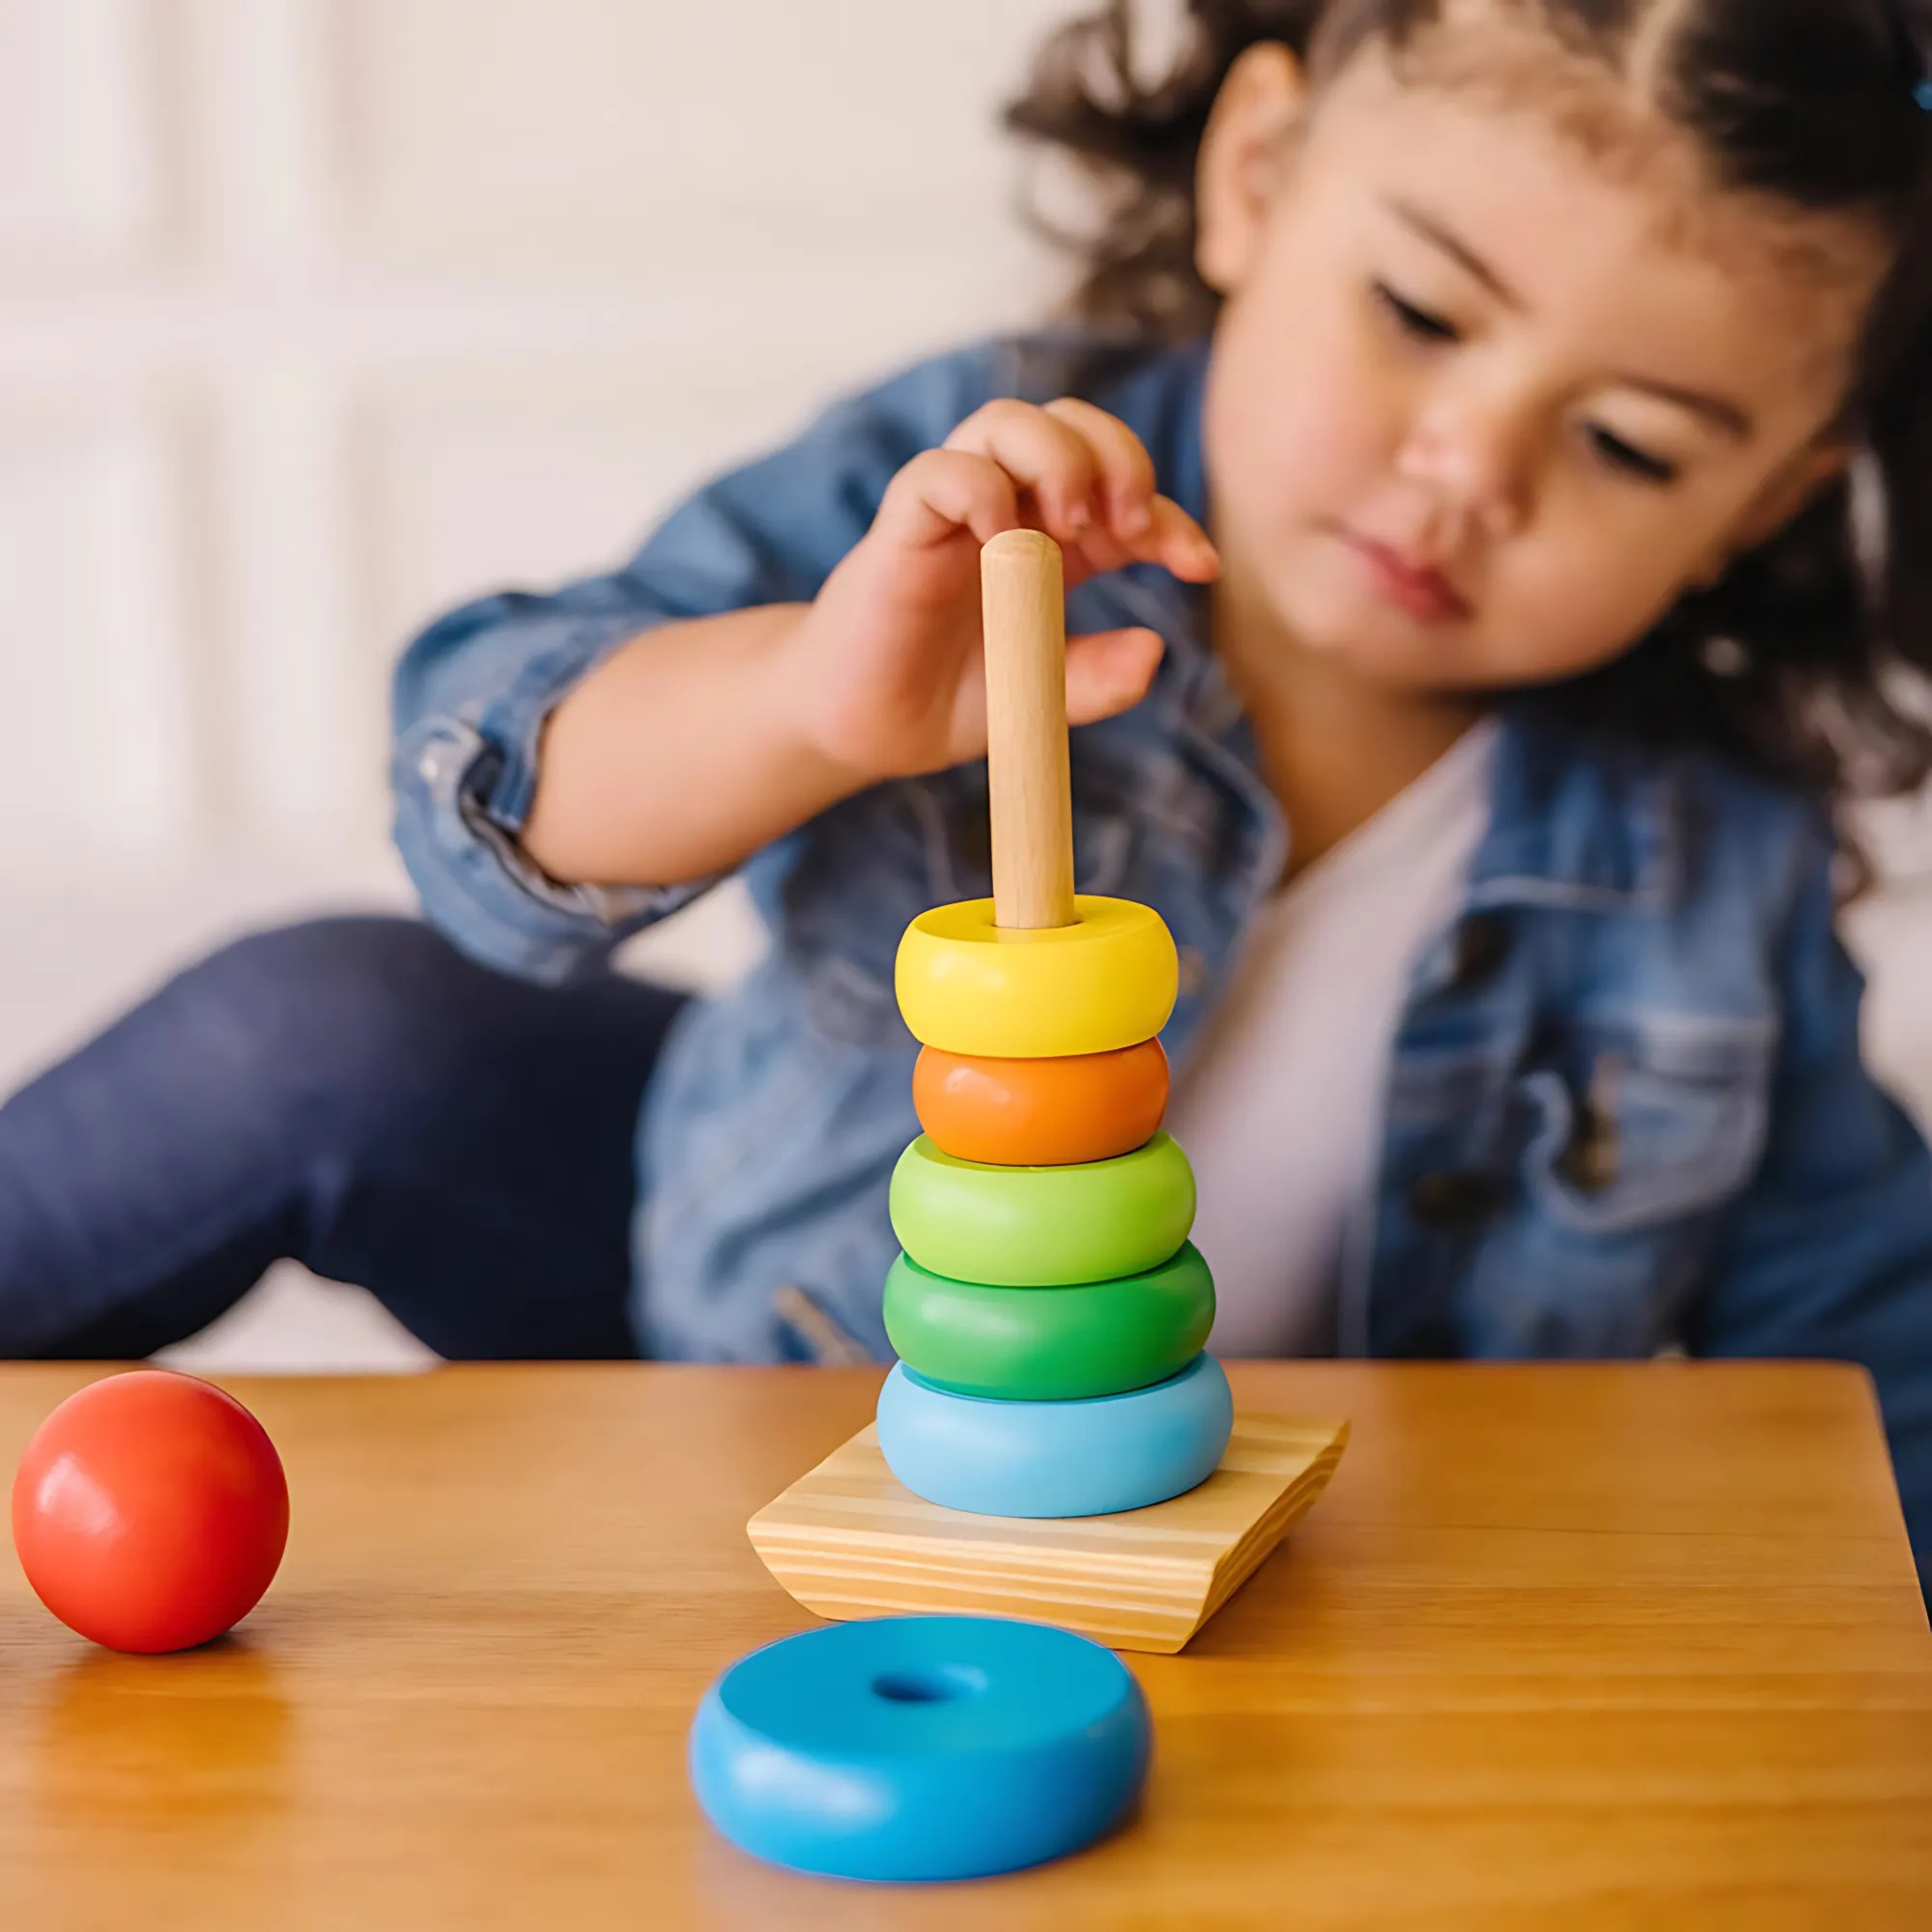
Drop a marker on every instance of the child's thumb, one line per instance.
(1108, 672)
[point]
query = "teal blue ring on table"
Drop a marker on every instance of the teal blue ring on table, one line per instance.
(920, 1748)
(1042, 1227)
(1056, 1459)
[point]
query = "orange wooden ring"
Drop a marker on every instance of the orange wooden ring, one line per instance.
(1041, 1113)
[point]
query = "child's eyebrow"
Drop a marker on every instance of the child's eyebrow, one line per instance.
(1719, 412)
(1452, 245)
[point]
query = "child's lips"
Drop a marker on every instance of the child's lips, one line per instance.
(1420, 589)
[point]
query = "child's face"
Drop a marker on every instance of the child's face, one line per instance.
(1484, 402)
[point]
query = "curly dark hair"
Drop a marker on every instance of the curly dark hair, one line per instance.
(1806, 660)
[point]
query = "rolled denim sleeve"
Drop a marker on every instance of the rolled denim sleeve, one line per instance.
(1829, 1254)
(473, 690)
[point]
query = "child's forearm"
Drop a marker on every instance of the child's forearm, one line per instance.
(680, 756)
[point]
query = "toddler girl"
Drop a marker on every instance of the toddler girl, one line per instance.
(1494, 470)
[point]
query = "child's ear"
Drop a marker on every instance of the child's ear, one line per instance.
(1239, 166)
(1783, 496)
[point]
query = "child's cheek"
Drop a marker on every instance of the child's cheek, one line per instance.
(1297, 427)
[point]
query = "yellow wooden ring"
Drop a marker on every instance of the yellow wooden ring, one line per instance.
(967, 985)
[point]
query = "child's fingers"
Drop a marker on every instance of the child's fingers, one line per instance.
(1108, 672)
(940, 492)
(1072, 478)
(1172, 539)
(1179, 542)
(1045, 457)
(1126, 470)
(1144, 524)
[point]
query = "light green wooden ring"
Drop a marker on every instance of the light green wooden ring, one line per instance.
(1051, 1344)
(1043, 1227)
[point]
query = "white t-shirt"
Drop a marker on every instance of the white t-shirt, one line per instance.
(1281, 1114)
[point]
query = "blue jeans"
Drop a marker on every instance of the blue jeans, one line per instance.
(355, 1094)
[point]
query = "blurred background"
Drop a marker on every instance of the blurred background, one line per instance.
(317, 316)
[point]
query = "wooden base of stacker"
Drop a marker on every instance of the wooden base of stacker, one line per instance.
(848, 1540)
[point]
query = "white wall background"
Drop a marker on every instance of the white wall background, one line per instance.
(316, 315)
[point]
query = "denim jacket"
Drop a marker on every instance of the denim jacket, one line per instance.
(1626, 1111)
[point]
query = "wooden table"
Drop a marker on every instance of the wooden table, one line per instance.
(1561, 1647)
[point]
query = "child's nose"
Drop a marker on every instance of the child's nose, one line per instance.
(1476, 455)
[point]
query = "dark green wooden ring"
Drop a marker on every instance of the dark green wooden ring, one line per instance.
(1051, 1344)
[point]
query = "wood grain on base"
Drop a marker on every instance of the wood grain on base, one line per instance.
(849, 1540)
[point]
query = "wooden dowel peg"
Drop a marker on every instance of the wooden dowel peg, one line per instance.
(1025, 615)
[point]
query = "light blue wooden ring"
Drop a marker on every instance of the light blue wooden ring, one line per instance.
(920, 1747)
(1056, 1459)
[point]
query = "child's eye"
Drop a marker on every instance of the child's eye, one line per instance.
(1631, 460)
(1418, 322)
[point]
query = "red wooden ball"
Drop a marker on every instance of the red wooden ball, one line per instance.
(150, 1511)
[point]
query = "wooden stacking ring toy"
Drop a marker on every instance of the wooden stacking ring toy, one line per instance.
(1056, 1459)
(1041, 1113)
(1050, 1315)
(1042, 1227)
(971, 985)
(1050, 1344)
(920, 1748)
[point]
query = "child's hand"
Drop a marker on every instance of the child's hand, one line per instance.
(886, 669)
